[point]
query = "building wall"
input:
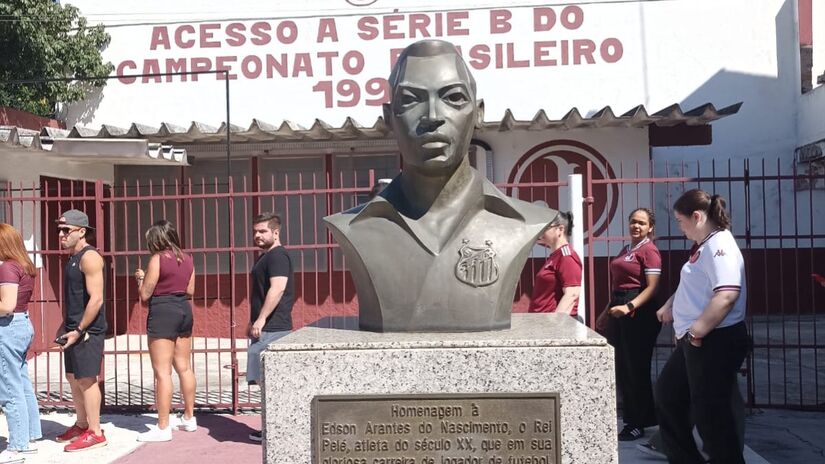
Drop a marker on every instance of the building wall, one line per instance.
(652, 53)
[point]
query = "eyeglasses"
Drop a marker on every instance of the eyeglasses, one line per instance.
(67, 230)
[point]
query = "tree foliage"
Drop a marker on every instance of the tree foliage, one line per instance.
(43, 39)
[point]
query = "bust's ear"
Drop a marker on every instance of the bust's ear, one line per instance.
(387, 113)
(479, 113)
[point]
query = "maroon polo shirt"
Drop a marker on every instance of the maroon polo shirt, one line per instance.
(563, 268)
(12, 273)
(629, 269)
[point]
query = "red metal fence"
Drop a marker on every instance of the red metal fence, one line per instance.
(775, 210)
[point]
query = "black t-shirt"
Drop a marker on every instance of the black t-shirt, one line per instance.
(274, 263)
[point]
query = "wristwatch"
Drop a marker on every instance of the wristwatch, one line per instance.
(631, 307)
(81, 333)
(691, 337)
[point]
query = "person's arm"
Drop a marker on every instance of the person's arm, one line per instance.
(568, 299)
(650, 264)
(8, 298)
(725, 271)
(277, 286)
(147, 281)
(642, 298)
(714, 313)
(665, 313)
(91, 265)
(190, 289)
(569, 274)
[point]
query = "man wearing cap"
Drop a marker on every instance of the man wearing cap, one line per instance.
(85, 329)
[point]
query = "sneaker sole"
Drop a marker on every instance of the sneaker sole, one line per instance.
(70, 440)
(97, 445)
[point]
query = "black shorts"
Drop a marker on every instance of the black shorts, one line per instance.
(170, 316)
(84, 357)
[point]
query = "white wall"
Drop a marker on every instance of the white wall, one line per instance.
(812, 116)
(682, 51)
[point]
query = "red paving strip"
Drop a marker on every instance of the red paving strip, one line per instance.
(219, 438)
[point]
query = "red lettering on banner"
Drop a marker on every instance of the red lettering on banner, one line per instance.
(303, 64)
(151, 67)
(391, 27)
(367, 28)
(222, 64)
(418, 25)
(122, 67)
(512, 62)
(260, 31)
(499, 57)
(160, 37)
(540, 53)
(287, 32)
(176, 66)
(234, 36)
(206, 35)
(251, 73)
(543, 19)
(273, 64)
(572, 17)
(327, 30)
(583, 49)
(179, 40)
(612, 50)
(353, 62)
(454, 23)
(500, 21)
(327, 57)
(394, 54)
(480, 56)
(200, 64)
(565, 52)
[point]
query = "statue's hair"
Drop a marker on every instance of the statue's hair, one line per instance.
(425, 48)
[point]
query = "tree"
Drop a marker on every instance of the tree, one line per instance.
(43, 39)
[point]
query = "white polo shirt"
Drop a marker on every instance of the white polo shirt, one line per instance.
(715, 264)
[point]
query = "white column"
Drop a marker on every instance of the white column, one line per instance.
(574, 182)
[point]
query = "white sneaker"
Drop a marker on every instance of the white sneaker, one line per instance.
(155, 433)
(187, 425)
(11, 457)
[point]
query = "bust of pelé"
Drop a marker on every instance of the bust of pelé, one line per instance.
(440, 248)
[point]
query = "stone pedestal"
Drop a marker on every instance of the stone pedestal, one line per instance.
(541, 353)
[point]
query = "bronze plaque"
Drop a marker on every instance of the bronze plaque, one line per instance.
(517, 428)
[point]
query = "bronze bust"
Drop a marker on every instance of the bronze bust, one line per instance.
(440, 248)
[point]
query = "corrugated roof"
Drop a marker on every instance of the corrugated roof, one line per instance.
(260, 131)
(113, 148)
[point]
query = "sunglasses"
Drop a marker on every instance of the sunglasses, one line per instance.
(67, 230)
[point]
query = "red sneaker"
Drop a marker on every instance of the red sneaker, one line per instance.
(87, 441)
(71, 433)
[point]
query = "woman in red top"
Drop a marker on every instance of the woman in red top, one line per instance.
(16, 333)
(631, 322)
(167, 284)
(558, 282)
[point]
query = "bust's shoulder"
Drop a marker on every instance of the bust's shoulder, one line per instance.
(532, 214)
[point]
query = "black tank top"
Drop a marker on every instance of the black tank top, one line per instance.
(75, 296)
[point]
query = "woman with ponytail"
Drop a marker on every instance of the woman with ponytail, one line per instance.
(558, 282)
(167, 284)
(708, 313)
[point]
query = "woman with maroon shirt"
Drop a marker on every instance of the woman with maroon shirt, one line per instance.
(558, 282)
(631, 322)
(167, 284)
(16, 333)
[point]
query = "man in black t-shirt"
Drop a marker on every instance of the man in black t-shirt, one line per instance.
(273, 293)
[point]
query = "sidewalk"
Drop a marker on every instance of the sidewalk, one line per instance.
(775, 437)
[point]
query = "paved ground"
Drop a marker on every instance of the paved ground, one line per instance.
(775, 437)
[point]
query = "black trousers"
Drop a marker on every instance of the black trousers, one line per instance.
(695, 388)
(633, 338)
